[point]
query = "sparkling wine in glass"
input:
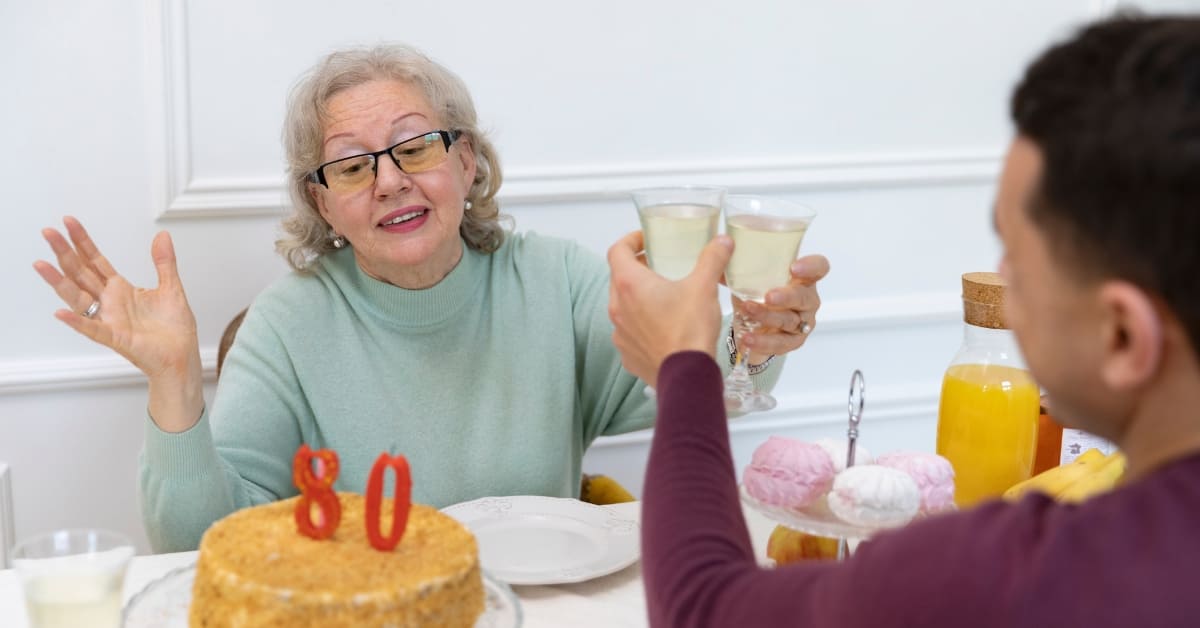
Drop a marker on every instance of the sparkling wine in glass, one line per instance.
(677, 223)
(766, 233)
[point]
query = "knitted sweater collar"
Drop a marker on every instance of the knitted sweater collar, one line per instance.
(403, 307)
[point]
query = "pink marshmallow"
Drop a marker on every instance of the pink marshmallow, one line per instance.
(788, 473)
(933, 474)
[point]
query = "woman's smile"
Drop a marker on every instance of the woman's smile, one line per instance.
(405, 220)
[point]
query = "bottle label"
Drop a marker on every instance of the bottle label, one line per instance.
(1075, 442)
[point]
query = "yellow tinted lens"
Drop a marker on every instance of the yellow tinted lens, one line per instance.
(351, 174)
(420, 153)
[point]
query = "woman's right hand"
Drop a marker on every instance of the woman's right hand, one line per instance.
(152, 328)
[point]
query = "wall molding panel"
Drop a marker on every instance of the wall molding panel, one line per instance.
(222, 198)
(111, 371)
(82, 373)
(182, 193)
(599, 182)
(825, 408)
(890, 312)
(169, 105)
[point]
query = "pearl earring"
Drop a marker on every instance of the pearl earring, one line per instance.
(467, 205)
(336, 240)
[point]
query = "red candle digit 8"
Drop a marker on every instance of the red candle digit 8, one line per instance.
(318, 490)
(401, 502)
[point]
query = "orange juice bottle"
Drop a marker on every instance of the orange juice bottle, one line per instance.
(988, 413)
(1049, 441)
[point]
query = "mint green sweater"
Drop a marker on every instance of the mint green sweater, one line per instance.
(492, 382)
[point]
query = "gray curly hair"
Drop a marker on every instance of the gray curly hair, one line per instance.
(306, 234)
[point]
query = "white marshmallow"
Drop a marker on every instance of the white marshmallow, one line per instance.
(871, 495)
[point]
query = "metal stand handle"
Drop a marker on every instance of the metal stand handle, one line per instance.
(854, 407)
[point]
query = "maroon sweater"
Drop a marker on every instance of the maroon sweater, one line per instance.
(1127, 559)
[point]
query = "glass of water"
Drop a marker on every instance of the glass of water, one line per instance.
(73, 578)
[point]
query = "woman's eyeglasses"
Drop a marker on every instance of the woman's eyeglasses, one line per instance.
(413, 155)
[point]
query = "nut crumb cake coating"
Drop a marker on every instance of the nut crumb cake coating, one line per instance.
(256, 570)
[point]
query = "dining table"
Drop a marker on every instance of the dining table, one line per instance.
(614, 600)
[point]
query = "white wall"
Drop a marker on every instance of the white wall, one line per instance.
(888, 117)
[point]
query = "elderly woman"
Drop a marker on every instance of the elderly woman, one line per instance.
(413, 322)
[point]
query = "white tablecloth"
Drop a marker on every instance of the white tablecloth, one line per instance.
(612, 601)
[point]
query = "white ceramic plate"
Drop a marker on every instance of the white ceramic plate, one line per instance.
(164, 603)
(548, 540)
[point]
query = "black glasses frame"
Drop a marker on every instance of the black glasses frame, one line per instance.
(448, 138)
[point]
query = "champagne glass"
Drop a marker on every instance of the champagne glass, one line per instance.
(766, 233)
(677, 223)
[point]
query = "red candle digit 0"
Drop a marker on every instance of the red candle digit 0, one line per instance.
(316, 490)
(401, 502)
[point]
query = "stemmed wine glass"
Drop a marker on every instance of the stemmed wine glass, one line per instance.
(677, 223)
(766, 233)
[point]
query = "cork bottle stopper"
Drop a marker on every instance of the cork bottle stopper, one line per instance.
(983, 300)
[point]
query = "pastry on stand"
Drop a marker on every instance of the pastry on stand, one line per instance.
(819, 500)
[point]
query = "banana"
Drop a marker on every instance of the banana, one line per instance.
(1102, 480)
(1055, 480)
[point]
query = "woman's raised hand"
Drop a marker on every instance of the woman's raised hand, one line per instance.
(790, 313)
(152, 328)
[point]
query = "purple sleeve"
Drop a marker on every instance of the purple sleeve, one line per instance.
(1122, 559)
(697, 561)
(698, 564)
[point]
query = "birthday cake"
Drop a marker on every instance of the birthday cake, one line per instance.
(254, 569)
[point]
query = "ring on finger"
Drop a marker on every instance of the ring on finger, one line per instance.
(91, 310)
(805, 327)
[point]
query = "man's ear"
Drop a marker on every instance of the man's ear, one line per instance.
(1132, 331)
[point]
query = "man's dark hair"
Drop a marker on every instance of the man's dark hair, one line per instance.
(1115, 112)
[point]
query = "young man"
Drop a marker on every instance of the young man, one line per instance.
(1099, 213)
